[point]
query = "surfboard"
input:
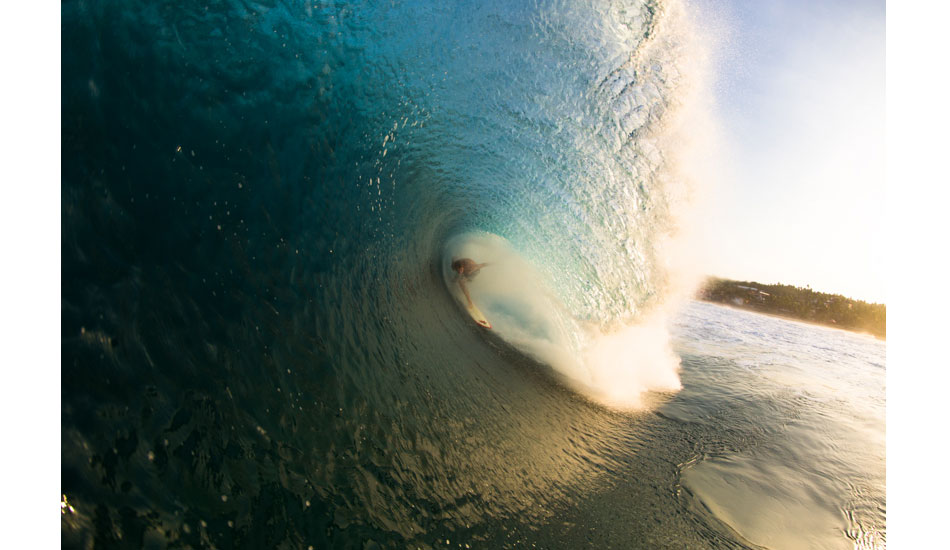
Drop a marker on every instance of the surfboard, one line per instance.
(478, 316)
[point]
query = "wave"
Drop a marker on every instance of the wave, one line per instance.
(260, 201)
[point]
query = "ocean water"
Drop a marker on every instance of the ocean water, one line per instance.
(804, 463)
(263, 345)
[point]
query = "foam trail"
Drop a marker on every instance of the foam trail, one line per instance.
(613, 366)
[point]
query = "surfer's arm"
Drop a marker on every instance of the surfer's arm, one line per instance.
(478, 267)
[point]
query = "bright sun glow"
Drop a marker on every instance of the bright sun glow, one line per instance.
(799, 198)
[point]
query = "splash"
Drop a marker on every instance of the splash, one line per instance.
(612, 366)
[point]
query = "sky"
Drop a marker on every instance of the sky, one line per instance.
(798, 194)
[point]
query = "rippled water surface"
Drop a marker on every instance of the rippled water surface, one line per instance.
(776, 441)
(811, 402)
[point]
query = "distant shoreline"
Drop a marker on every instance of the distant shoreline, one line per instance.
(798, 304)
(793, 319)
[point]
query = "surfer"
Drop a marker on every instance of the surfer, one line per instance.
(466, 269)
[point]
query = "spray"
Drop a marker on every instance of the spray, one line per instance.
(599, 317)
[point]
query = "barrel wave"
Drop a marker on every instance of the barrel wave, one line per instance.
(262, 339)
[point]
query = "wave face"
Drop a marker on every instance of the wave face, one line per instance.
(260, 202)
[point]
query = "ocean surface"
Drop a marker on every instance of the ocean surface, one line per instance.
(264, 346)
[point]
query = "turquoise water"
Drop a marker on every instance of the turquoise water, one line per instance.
(262, 344)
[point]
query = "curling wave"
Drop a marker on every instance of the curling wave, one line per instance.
(259, 204)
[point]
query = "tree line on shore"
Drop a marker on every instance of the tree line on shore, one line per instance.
(798, 303)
